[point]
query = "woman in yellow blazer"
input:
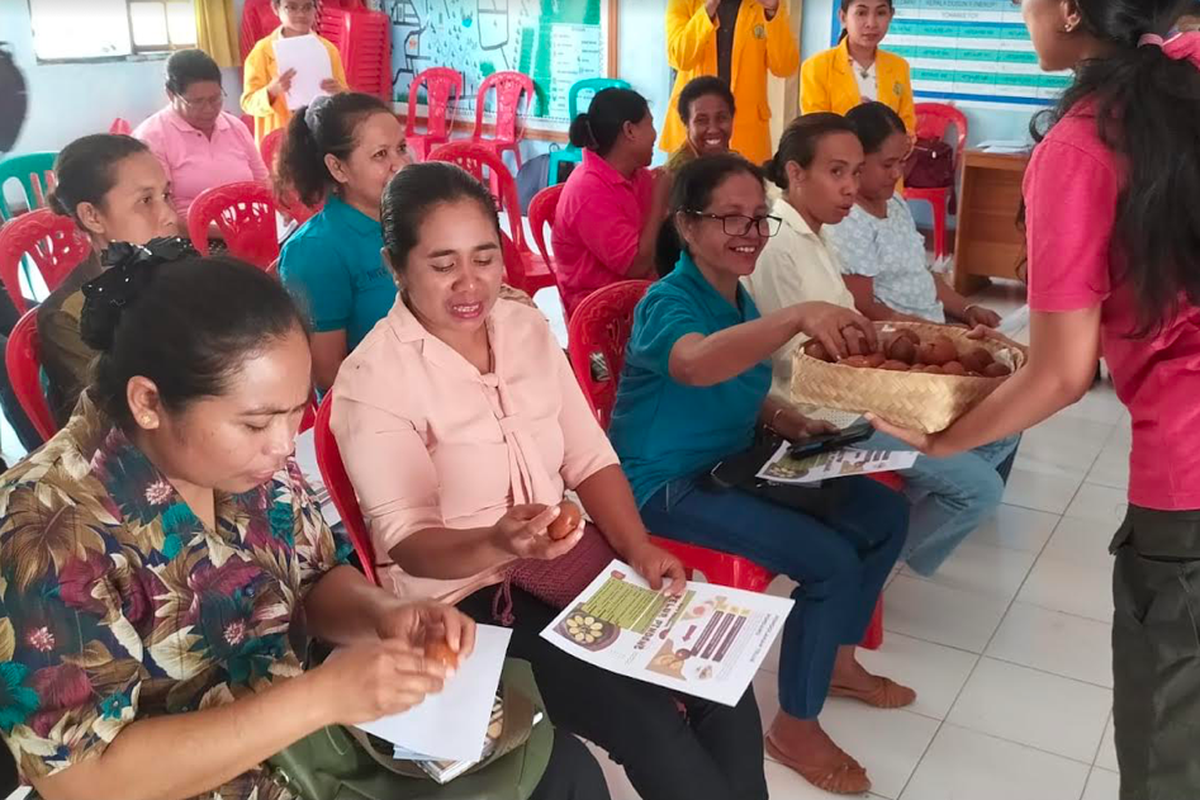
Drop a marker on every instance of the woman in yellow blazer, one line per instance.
(845, 76)
(264, 90)
(762, 40)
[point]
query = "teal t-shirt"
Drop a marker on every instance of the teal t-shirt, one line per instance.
(663, 430)
(334, 269)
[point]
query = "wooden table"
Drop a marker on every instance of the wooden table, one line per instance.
(989, 243)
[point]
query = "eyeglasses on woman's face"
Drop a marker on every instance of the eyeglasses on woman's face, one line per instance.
(741, 225)
(209, 102)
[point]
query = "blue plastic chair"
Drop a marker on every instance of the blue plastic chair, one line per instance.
(23, 168)
(570, 153)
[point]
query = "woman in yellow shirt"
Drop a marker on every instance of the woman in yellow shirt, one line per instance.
(857, 71)
(738, 41)
(264, 89)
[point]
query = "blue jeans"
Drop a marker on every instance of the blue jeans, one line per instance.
(950, 497)
(841, 569)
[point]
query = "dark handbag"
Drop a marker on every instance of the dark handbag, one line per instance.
(340, 763)
(931, 166)
(558, 582)
(740, 472)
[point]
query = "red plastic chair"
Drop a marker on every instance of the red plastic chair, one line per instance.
(525, 270)
(23, 361)
(933, 120)
(50, 241)
(268, 148)
(542, 210)
(121, 126)
(443, 90)
(244, 212)
(508, 129)
(341, 491)
(601, 325)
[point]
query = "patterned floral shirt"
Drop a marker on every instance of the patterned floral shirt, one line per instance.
(117, 603)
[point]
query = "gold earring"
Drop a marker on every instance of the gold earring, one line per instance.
(146, 420)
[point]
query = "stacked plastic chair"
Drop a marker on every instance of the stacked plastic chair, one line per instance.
(364, 40)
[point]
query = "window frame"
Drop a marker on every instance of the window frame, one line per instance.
(137, 52)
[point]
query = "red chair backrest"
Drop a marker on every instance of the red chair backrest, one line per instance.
(51, 241)
(509, 87)
(542, 209)
(121, 126)
(24, 364)
(268, 148)
(601, 325)
(258, 20)
(934, 119)
(490, 170)
(341, 491)
(443, 88)
(244, 212)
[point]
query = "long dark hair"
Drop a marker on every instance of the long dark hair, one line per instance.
(598, 128)
(846, 10)
(799, 143)
(1147, 110)
(327, 127)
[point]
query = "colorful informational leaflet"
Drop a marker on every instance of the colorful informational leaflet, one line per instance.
(976, 51)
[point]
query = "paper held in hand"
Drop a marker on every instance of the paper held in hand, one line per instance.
(783, 468)
(452, 726)
(707, 642)
(308, 56)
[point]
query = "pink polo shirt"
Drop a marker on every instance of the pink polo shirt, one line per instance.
(1072, 187)
(597, 227)
(429, 442)
(194, 162)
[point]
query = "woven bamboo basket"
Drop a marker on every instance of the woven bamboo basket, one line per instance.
(921, 401)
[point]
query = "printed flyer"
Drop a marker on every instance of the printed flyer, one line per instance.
(708, 641)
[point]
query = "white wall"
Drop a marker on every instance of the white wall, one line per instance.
(67, 101)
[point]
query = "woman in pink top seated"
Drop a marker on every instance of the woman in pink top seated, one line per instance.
(1114, 261)
(199, 144)
(461, 426)
(611, 209)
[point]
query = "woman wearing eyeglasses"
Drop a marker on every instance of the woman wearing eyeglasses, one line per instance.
(199, 144)
(693, 393)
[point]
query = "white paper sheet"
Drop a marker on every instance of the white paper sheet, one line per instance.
(310, 59)
(782, 468)
(708, 642)
(452, 726)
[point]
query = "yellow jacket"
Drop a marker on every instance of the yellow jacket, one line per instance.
(261, 69)
(827, 84)
(758, 45)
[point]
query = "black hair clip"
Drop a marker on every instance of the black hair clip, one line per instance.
(130, 268)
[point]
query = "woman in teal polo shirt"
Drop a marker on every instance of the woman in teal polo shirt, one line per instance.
(341, 149)
(693, 391)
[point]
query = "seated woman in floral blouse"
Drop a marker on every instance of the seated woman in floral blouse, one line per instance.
(165, 565)
(461, 427)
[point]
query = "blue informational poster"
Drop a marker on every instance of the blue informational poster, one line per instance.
(975, 51)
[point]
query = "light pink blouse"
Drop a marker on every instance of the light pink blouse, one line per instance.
(430, 442)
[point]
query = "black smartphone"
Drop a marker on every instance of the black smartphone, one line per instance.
(824, 442)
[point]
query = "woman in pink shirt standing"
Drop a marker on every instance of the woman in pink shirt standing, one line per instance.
(607, 222)
(461, 427)
(1114, 261)
(199, 144)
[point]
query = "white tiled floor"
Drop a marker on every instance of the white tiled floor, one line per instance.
(1007, 646)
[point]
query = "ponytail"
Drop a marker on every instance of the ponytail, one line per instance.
(328, 126)
(1147, 109)
(601, 125)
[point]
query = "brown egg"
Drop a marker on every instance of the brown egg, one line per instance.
(997, 370)
(953, 368)
(875, 360)
(817, 350)
(856, 341)
(976, 359)
(901, 348)
(937, 350)
(566, 522)
(855, 361)
(933, 369)
(910, 334)
(895, 366)
(441, 652)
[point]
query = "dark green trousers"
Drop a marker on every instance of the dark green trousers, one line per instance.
(1156, 654)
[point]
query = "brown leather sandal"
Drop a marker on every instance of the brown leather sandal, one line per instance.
(886, 694)
(848, 777)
